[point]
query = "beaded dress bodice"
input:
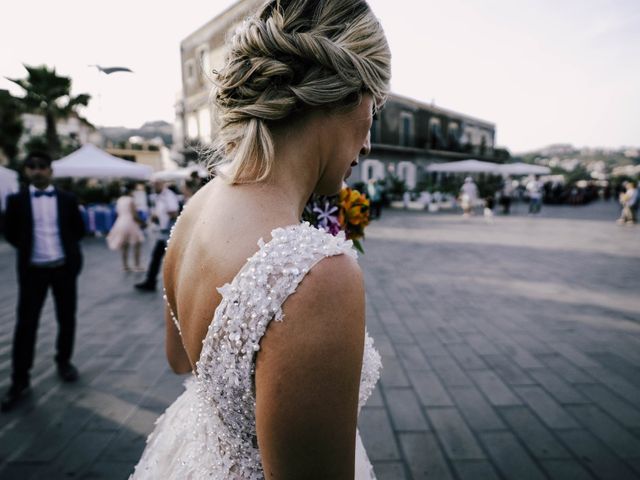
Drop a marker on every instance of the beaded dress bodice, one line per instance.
(224, 402)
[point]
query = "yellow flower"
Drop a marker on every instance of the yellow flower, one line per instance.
(354, 212)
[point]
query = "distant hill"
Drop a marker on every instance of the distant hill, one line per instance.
(149, 130)
(568, 157)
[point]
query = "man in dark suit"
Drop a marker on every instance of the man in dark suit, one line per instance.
(45, 226)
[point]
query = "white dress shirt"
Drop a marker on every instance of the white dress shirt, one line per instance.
(47, 246)
(166, 202)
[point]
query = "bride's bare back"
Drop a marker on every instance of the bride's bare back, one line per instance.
(216, 233)
(308, 368)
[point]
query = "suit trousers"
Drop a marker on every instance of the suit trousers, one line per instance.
(156, 261)
(34, 283)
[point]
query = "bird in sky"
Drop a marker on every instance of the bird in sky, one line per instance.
(110, 70)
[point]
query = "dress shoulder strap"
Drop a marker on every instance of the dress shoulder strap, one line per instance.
(257, 293)
(276, 270)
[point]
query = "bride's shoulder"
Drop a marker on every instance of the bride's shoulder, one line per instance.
(334, 277)
(324, 317)
(309, 365)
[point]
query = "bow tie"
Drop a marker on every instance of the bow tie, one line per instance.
(40, 193)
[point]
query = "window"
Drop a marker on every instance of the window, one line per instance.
(192, 126)
(375, 129)
(189, 70)
(217, 57)
(204, 124)
(406, 129)
(204, 64)
(435, 133)
(453, 135)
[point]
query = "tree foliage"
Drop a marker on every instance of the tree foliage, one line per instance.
(10, 124)
(49, 94)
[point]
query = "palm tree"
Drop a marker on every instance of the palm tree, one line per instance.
(10, 125)
(49, 94)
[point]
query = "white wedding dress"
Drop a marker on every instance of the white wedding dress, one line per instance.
(209, 432)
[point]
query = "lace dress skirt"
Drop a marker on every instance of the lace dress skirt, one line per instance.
(173, 450)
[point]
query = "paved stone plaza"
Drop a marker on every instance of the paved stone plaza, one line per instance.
(511, 350)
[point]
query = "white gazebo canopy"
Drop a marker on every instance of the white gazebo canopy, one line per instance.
(91, 162)
(521, 168)
(464, 166)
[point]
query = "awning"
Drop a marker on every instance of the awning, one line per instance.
(91, 162)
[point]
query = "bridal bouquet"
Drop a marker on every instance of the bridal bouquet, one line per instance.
(348, 211)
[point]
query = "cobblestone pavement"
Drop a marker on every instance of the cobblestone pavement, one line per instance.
(511, 350)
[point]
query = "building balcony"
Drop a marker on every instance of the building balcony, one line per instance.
(428, 153)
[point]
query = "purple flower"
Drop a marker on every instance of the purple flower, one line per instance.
(327, 217)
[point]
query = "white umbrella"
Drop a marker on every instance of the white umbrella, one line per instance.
(464, 166)
(91, 162)
(521, 168)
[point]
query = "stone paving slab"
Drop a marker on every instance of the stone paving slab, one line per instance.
(511, 350)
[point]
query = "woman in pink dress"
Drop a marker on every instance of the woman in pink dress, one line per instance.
(126, 230)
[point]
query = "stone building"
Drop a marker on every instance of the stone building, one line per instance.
(201, 53)
(406, 136)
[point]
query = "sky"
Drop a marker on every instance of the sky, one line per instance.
(544, 71)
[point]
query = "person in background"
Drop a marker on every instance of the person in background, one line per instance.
(45, 226)
(506, 195)
(375, 197)
(190, 186)
(164, 213)
(468, 196)
(141, 201)
(406, 199)
(535, 189)
(629, 203)
(126, 230)
(633, 201)
(489, 203)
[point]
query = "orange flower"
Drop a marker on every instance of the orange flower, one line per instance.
(354, 213)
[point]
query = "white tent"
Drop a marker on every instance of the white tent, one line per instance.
(523, 169)
(91, 162)
(8, 184)
(464, 166)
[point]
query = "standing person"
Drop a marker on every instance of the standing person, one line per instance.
(164, 213)
(535, 189)
(406, 199)
(506, 196)
(489, 204)
(141, 201)
(280, 359)
(45, 226)
(375, 197)
(633, 201)
(629, 203)
(468, 196)
(126, 230)
(191, 186)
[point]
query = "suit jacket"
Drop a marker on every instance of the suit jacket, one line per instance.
(18, 227)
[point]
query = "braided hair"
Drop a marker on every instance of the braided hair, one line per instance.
(293, 55)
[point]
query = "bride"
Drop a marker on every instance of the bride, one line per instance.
(267, 312)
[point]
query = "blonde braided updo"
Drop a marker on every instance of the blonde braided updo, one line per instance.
(290, 56)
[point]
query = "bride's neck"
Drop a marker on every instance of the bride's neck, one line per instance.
(297, 165)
